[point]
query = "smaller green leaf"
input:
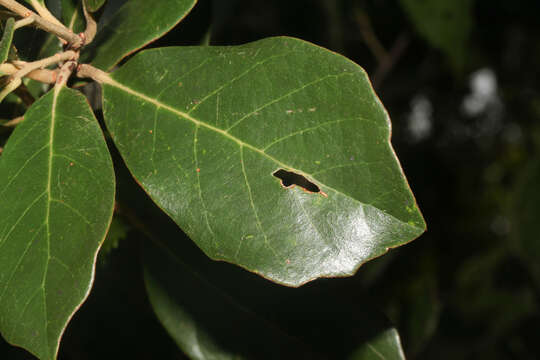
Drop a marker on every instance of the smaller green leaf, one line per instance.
(384, 346)
(94, 5)
(72, 15)
(135, 24)
(117, 232)
(7, 38)
(444, 24)
(195, 314)
(56, 200)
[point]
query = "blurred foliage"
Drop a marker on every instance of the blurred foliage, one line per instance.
(467, 289)
(445, 24)
(118, 231)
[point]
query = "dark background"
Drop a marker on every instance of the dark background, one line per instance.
(466, 289)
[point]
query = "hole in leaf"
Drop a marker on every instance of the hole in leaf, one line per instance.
(289, 178)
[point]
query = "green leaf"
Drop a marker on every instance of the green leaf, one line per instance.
(118, 231)
(94, 5)
(73, 16)
(195, 314)
(56, 201)
(203, 130)
(31, 2)
(135, 24)
(385, 346)
(7, 38)
(444, 24)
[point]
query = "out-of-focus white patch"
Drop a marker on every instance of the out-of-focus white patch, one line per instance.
(483, 94)
(420, 122)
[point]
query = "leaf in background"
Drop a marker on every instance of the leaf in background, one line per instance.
(32, 2)
(72, 15)
(206, 323)
(203, 129)
(94, 5)
(7, 38)
(386, 345)
(526, 212)
(125, 32)
(56, 201)
(199, 317)
(444, 24)
(117, 232)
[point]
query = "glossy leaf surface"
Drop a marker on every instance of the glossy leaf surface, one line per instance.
(203, 129)
(56, 201)
(134, 25)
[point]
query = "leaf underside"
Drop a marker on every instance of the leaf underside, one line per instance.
(56, 201)
(204, 129)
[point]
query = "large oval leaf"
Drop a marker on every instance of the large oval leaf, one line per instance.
(56, 201)
(206, 129)
(134, 25)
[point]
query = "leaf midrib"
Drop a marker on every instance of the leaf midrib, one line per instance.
(108, 80)
(159, 104)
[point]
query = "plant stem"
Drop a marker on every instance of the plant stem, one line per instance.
(371, 40)
(390, 60)
(45, 13)
(15, 79)
(65, 73)
(23, 22)
(61, 31)
(42, 75)
(14, 122)
(88, 71)
(91, 26)
(31, 66)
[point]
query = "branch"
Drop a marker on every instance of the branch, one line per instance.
(15, 79)
(386, 59)
(42, 75)
(390, 60)
(14, 122)
(61, 31)
(43, 63)
(23, 22)
(45, 13)
(371, 40)
(91, 26)
(88, 71)
(64, 74)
